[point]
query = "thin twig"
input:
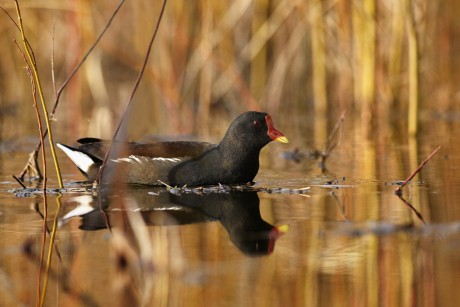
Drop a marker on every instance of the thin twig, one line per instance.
(332, 140)
(133, 92)
(53, 79)
(77, 67)
(19, 181)
(16, 25)
(330, 145)
(398, 190)
(417, 213)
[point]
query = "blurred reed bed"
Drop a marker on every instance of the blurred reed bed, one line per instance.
(385, 62)
(211, 61)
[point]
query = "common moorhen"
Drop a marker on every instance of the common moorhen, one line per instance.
(234, 160)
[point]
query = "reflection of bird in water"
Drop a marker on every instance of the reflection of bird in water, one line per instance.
(237, 211)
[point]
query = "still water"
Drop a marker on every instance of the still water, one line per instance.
(347, 241)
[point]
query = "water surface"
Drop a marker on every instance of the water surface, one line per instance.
(350, 240)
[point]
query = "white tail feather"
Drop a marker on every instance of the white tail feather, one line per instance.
(81, 160)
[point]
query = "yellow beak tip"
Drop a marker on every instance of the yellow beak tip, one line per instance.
(282, 139)
(283, 228)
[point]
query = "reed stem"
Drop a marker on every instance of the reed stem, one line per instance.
(34, 67)
(413, 70)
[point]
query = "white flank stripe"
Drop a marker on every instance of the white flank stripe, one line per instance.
(135, 159)
(121, 160)
(81, 160)
(141, 159)
(167, 159)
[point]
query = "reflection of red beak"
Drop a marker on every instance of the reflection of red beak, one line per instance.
(275, 234)
(273, 133)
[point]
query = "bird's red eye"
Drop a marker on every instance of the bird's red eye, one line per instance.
(256, 123)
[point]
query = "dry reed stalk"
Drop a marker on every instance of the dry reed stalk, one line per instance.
(318, 57)
(198, 60)
(367, 70)
(29, 52)
(273, 92)
(413, 69)
(357, 26)
(259, 64)
(396, 48)
(343, 89)
(205, 91)
(319, 72)
(257, 42)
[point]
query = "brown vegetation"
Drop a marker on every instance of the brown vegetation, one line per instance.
(220, 59)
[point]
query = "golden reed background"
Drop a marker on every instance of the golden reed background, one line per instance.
(304, 61)
(213, 60)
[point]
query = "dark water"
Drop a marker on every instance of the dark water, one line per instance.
(349, 241)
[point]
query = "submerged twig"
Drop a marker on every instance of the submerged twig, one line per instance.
(133, 92)
(419, 168)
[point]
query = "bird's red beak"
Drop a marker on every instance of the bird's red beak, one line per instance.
(273, 133)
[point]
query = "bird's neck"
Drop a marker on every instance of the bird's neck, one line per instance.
(239, 153)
